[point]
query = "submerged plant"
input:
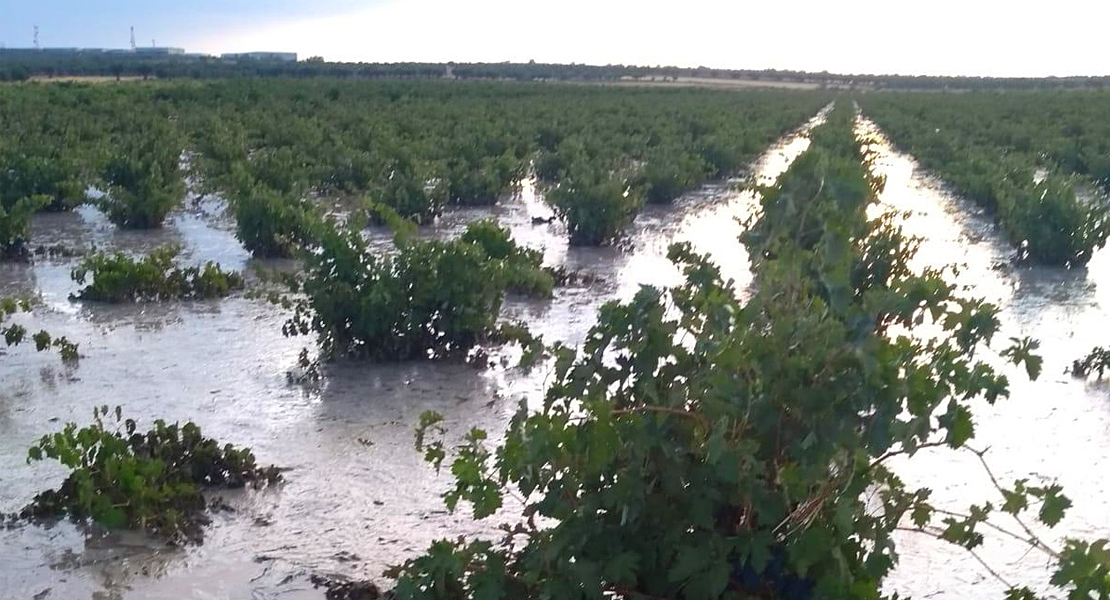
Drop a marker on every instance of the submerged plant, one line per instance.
(429, 299)
(47, 170)
(411, 192)
(668, 174)
(123, 478)
(1096, 361)
(521, 268)
(120, 278)
(596, 206)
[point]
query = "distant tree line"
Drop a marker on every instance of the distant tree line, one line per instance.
(22, 64)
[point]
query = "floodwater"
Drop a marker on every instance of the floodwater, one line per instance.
(357, 497)
(1054, 428)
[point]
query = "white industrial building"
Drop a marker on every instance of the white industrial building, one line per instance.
(158, 51)
(278, 56)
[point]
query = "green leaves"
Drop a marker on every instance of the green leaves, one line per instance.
(1096, 361)
(699, 571)
(595, 205)
(700, 447)
(957, 421)
(14, 334)
(964, 531)
(1084, 569)
(119, 278)
(1021, 351)
(15, 220)
(1053, 504)
(270, 223)
(430, 299)
(1000, 153)
(143, 177)
(152, 481)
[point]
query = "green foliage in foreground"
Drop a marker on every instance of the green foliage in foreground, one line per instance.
(123, 478)
(15, 334)
(699, 447)
(120, 278)
(428, 299)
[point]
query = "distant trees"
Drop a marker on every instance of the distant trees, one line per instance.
(18, 65)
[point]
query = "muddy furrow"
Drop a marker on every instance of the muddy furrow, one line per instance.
(358, 497)
(1056, 427)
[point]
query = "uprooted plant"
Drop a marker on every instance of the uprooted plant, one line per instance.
(120, 278)
(154, 481)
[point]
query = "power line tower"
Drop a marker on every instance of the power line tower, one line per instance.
(37, 46)
(132, 37)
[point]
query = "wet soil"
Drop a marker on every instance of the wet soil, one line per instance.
(1057, 427)
(358, 498)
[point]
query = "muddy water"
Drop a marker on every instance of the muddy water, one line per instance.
(357, 498)
(1056, 427)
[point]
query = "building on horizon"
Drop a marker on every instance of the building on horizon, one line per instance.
(158, 51)
(269, 56)
(141, 51)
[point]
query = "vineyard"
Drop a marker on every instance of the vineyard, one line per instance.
(654, 343)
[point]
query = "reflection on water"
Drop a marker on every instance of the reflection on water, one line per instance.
(358, 497)
(1055, 427)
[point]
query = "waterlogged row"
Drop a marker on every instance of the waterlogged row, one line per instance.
(729, 461)
(415, 147)
(1068, 129)
(736, 460)
(1019, 166)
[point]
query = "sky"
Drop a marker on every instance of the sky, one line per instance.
(940, 37)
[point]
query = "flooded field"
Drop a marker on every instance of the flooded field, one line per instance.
(358, 498)
(1056, 427)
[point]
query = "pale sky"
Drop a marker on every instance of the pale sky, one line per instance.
(959, 37)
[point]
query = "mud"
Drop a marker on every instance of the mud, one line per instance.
(358, 498)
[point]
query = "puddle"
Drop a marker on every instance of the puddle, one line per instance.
(358, 497)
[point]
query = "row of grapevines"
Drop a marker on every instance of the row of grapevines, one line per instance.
(700, 447)
(1014, 168)
(416, 147)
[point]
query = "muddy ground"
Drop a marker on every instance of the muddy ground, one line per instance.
(358, 497)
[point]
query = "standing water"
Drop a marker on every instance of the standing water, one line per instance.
(357, 498)
(1055, 428)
